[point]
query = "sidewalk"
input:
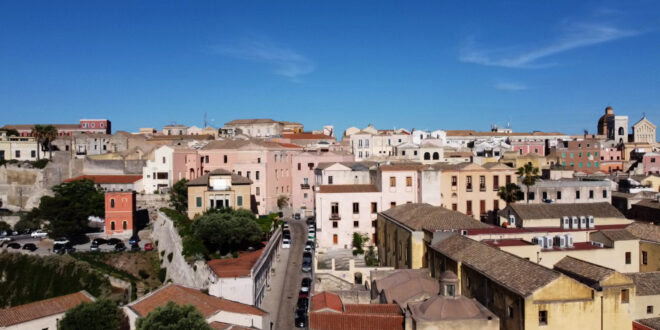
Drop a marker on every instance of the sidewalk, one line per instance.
(273, 296)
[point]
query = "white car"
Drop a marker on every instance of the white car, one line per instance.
(62, 241)
(6, 239)
(286, 243)
(311, 234)
(38, 234)
(285, 226)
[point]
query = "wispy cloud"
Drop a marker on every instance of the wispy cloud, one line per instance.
(284, 61)
(510, 87)
(574, 36)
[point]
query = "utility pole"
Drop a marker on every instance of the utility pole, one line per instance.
(204, 120)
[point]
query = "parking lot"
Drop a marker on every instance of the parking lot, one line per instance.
(45, 245)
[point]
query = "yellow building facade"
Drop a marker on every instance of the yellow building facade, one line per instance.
(218, 189)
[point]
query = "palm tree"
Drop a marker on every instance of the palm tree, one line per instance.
(38, 134)
(50, 134)
(282, 201)
(529, 175)
(509, 193)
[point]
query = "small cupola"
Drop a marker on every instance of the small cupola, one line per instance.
(448, 284)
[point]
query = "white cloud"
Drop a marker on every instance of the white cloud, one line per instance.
(575, 36)
(510, 87)
(285, 62)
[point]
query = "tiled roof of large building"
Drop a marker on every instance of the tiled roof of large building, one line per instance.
(226, 326)
(38, 309)
(441, 308)
(475, 133)
(307, 136)
(402, 167)
(583, 271)
(108, 179)
(556, 211)
(252, 121)
(206, 304)
(652, 323)
(204, 179)
(235, 267)
(420, 216)
(645, 231)
(512, 272)
(353, 316)
(404, 285)
(650, 203)
(347, 188)
(648, 284)
(618, 235)
(326, 301)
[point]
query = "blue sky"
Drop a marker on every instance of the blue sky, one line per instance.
(551, 66)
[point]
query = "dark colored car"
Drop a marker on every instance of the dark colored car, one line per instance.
(306, 283)
(114, 241)
(30, 246)
(135, 247)
(99, 241)
(68, 248)
(58, 248)
(307, 262)
(300, 318)
(303, 294)
(120, 247)
(311, 220)
(14, 245)
(296, 216)
(94, 247)
(309, 246)
(133, 240)
(303, 303)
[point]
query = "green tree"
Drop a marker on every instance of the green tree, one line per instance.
(50, 134)
(529, 175)
(38, 133)
(4, 227)
(173, 317)
(358, 243)
(370, 258)
(510, 193)
(227, 230)
(103, 314)
(68, 211)
(282, 201)
(11, 132)
(179, 196)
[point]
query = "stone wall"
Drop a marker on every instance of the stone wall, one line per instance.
(179, 271)
(93, 166)
(21, 188)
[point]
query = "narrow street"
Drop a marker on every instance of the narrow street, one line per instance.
(293, 276)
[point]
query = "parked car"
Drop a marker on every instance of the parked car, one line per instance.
(6, 239)
(14, 245)
(135, 247)
(68, 248)
(285, 226)
(286, 243)
(310, 220)
(38, 234)
(296, 216)
(99, 241)
(311, 234)
(148, 247)
(307, 262)
(61, 240)
(58, 248)
(303, 294)
(300, 318)
(64, 248)
(94, 247)
(30, 246)
(133, 240)
(120, 247)
(114, 241)
(306, 284)
(303, 303)
(309, 246)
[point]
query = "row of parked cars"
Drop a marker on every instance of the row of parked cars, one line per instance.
(119, 245)
(302, 306)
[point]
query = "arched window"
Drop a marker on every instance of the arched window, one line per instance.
(427, 156)
(112, 225)
(112, 203)
(620, 130)
(436, 156)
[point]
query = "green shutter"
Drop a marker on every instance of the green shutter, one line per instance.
(199, 202)
(239, 200)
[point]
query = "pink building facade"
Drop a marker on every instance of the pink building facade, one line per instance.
(187, 164)
(651, 163)
(91, 126)
(525, 147)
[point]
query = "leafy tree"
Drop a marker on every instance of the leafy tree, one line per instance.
(358, 243)
(11, 132)
(68, 211)
(49, 134)
(4, 227)
(227, 230)
(103, 314)
(529, 175)
(509, 193)
(38, 133)
(173, 317)
(179, 196)
(370, 258)
(282, 201)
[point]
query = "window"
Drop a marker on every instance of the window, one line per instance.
(545, 195)
(409, 181)
(649, 309)
(112, 225)
(256, 175)
(112, 203)
(468, 208)
(577, 194)
(356, 208)
(468, 187)
(239, 200)
(510, 312)
(335, 224)
(595, 164)
(392, 204)
(334, 208)
(628, 258)
(33, 153)
(496, 182)
(496, 205)
(330, 179)
(572, 155)
(508, 179)
(543, 317)
(454, 207)
(645, 258)
(530, 196)
(258, 160)
(248, 174)
(334, 239)
(604, 193)
(392, 181)
(124, 225)
(163, 159)
(18, 154)
(482, 207)
(591, 194)
(257, 190)
(356, 224)
(558, 195)
(374, 207)
(625, 296)
(224, 158)
(299, 167)
(198, 201)
(482, 183)
(454, 181)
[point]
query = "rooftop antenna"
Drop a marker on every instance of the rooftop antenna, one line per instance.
(204, 120)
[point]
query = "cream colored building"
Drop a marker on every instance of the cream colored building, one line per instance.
(647, 299)
(566, 216)
(644, 131)
(218, 189)
(21, 148)
(43, 314)
(370, 142)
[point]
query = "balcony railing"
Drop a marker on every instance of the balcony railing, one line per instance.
(335, 216)
(304, 186)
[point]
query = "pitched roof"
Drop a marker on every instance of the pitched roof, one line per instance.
(226, 326)
(648, 284)
(586, 272)
(326, 301)
(204, 179)
(108, 179)
(307, 136)
(556, 211)
(327, 313)
(475, 133)
(439, 308)
(347, 188)
(402, 167)
(618, 235)
(512, 272)
(411, 288)
(235, 267)
(418, 216)
(251, 121)
(650, 203)
(181, 295)
(645, 231)
(355, 166)
(38, 309)
(652, 323)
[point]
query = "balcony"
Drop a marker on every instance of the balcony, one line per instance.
(304, 186)
(335, 216)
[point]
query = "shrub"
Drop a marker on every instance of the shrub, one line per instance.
(162, 274)
(41, 163)
(144, 274)
(169, 256)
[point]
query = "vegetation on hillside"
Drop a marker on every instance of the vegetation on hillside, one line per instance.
(179, 196)
(173, 316)
(104, 314)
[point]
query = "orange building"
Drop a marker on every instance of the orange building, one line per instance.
(119, 212)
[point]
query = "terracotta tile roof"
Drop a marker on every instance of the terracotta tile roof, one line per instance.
(180, 137)
(326, 301)
(645, 231)
(206, 304)
(108, 179)
(347, 188)
(402, 167)
(506, 242)
(475, 133)
(235, 267)
(290, 145)
(38, 309)
(583, 271)
(226, 326)
(372, 308)
(412, 289)
(355, 166)
(650, 203)
(441, 308)
(618, 234)
(556, 211)
(510, 230)
(512, 272)
(251, 121)
(418, 216)
(651, 323)
(204, 179)
(307, 136)
(648, 284)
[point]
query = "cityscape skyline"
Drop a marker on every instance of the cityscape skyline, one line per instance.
(446, 66)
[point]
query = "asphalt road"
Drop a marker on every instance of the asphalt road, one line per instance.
(294, 274)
